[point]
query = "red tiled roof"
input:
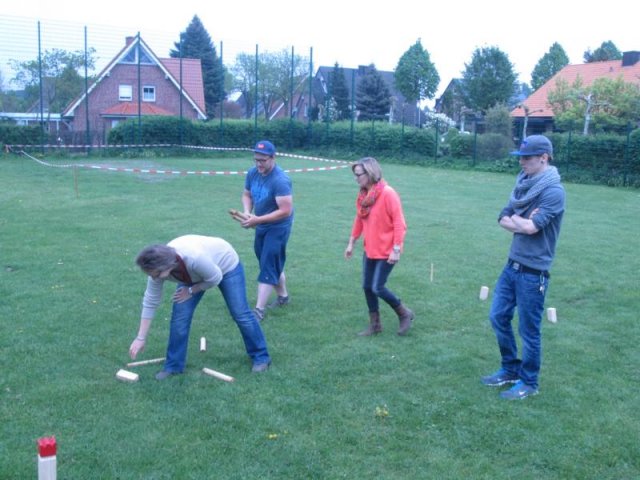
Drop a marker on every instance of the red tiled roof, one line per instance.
(588, 72)
(130, 109)
(191, 77)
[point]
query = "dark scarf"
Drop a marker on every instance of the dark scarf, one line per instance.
(366, 198)
(180, 273)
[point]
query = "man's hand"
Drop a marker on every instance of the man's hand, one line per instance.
(250, 222)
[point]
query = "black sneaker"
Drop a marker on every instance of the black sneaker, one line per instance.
(279, 302)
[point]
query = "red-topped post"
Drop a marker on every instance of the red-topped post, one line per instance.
(47, 458)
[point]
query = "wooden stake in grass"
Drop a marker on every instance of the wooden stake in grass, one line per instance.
(218, 375)
(75, 180)
(431, 274)
(484, 293)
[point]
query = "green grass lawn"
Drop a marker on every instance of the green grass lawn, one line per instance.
(333, 405)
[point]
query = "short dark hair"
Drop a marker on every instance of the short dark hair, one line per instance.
(156, 257)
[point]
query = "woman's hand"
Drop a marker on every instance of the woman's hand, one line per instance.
(348, 252)
(136, 347)
(182, 294)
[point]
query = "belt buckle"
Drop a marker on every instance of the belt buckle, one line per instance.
(516, 266)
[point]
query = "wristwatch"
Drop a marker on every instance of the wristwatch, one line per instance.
(396, 249)
(190, 291)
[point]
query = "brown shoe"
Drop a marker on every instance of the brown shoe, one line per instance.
(375, 326)
(405, 316)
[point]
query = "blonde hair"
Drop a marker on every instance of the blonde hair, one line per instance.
(371, 168)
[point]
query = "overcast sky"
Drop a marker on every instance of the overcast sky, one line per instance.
(351, 33)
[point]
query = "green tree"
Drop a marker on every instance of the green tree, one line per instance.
(244, 74)
(58, 72)
(275, 76)
(606, 51)
(551, 63)
(195, 42)
(498, 120)
(339, 93)
(488, 79)
(605, 105)
(274, 80)
(416, 78)
(373, 98)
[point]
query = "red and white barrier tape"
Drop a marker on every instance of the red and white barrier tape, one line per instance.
(343, 164)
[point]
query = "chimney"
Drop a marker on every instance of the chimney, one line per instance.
(630, 58)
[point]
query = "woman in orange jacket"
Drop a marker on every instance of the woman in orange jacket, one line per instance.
(380, 220)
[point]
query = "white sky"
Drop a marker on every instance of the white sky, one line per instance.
(349, 32)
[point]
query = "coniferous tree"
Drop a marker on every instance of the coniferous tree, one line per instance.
(551, 63)
(339, 93)
(606, 51)
(373, 98)
(196, 43)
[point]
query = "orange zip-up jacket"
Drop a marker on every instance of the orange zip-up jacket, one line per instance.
(384, 227)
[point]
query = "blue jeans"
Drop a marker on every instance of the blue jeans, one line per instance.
(526, 291)
(374, 278)
(233, 290)
(270, 247)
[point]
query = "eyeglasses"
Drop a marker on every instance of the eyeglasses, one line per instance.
(359, 174)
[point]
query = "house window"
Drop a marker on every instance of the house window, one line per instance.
(125, 93)
(148, 94)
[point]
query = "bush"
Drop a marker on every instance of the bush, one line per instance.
(493, 146)
(461, 146)
(11, 134)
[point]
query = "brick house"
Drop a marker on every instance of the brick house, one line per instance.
(137, 82)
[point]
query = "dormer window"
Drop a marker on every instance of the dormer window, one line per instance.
(136, 54)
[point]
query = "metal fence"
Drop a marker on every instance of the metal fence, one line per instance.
(27, 39)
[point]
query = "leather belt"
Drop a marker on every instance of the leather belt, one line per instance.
(518, 267)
